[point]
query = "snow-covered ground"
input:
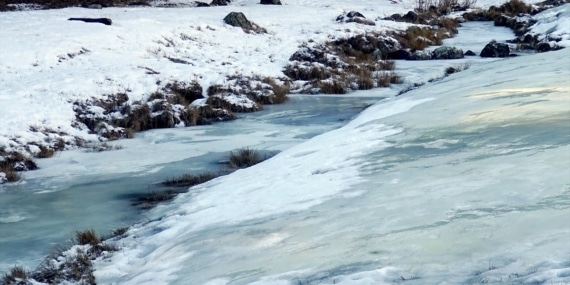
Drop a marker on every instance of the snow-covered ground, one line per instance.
(462, 181)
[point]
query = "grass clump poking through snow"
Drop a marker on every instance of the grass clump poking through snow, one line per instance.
(87, 237)
(456, 68)
(189, 180)
(70, 264)
(17, 275)
(245, 157)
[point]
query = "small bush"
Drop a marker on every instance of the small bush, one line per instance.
(515, 7)
(384, 79)
(245, 157)
(87, 237)
(280, 91)
(17, 275)
(418, 38)
(332, 87)
(45, 152)
(10, 174)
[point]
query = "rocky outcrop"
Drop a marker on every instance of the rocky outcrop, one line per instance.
(446, 52)
(238, 19)
(495, 49)
(270, 2)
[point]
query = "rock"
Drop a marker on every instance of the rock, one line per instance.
(447, 53)
(395, 17)
(494, 49)
(219, 3)
(420, 55)
(543, 47)
(238, 19)
(270, 2)
(469, 53)
(399, 54)
(201, 4)
(354, 17)
(410, 17)
(105, 21)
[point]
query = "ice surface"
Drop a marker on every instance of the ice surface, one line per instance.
(465, 180)
(462, 181)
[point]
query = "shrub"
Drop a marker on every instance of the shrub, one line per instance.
(515, 7)
(87, 237)
(384, 79)
(17, 275)
(331, 87)
(45, 152)
(189, 180)
(184, 93)
(245, 157)
(10, 174)
(418, 38)
(280, 91)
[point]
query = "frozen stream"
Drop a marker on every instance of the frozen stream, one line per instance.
(78, 190)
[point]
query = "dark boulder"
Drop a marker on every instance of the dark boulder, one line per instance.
(399, 54)
(105, 21)
(270, 2)
(201, 4)
(447, 53)
(495, 49)
(543, 47)
(238, 19)
(469, 53)
(219, 3)
(410, 17)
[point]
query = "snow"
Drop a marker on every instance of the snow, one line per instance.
(464, 180)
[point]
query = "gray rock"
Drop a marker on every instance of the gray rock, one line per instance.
(420, 55)
(447, 53)
(238, 19)
(494, 49)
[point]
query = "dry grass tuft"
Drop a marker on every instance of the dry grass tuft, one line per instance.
(245, 157)
(17, 275)
(87, 237)
(189, 180)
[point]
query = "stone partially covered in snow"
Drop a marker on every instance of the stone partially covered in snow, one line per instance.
(420, 55)
(447, 53)
(354, 17)
(238, 19)
(495, 49)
